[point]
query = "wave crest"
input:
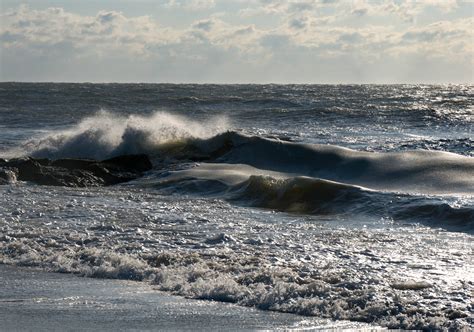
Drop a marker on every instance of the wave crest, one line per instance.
(106, 135)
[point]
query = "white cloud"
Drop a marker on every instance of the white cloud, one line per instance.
(108, 31)
(212, 48)
(191, 4)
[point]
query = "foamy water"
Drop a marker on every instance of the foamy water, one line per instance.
(106, 135)
(344, 202)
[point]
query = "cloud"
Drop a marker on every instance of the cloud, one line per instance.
(275, 41)
(191, 4)
(272, 7)
(352, 37)
(298, 22)
(107, 17)
(54, 43)
(360, 11)
(205, 25)
(108, 31)
(301, 6)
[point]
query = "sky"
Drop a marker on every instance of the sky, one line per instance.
(237, 41)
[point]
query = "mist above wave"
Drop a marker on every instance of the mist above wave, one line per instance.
(106, 135)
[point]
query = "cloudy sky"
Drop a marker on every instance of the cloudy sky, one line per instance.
(237, 41)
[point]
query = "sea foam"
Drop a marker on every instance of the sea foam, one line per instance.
(107, 135)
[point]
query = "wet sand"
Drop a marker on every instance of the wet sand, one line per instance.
(35, 300)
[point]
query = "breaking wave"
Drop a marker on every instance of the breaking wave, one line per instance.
(275, 174)
(171, 137)
(106, 135)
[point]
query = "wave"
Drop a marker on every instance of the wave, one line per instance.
(106, 135)
(297, 194)
(460, 145)
(420, 171)
(167, 137)
(249, 280)
(248, 186)
(272, 173)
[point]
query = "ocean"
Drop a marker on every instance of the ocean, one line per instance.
(343, 202)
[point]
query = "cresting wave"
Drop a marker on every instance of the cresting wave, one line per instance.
(276, 174)
(107, 135)
(171, 137)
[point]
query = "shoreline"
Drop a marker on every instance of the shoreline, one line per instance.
(32, 299)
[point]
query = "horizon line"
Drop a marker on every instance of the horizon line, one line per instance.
(230, 83)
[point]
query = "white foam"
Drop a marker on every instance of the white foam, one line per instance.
(107, 134)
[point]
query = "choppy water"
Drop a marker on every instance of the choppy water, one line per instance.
(342, 202)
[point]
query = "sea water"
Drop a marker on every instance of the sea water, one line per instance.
(343, 202)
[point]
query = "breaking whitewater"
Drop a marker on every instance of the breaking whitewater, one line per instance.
(342, 202)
